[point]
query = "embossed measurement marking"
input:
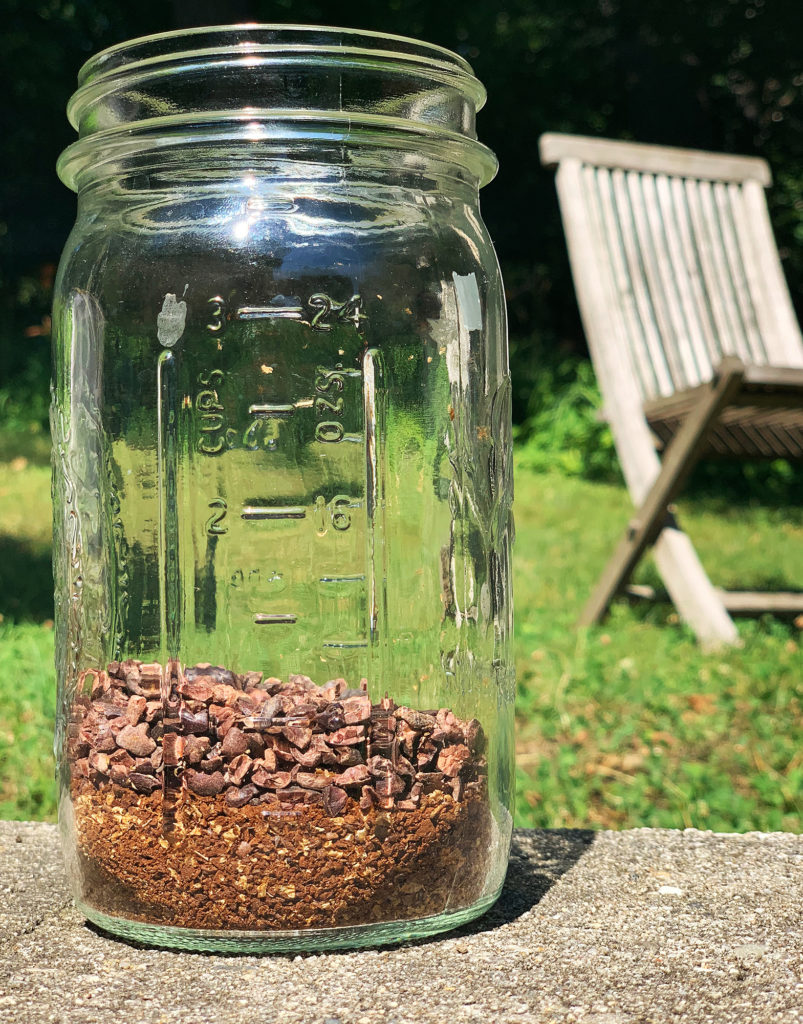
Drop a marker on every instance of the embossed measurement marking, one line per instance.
(280, 410)
(270, 313)
(323, 312)
(330, 406)
(273, 512)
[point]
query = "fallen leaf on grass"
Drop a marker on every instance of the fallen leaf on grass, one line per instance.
(702, 703)
(661, 736)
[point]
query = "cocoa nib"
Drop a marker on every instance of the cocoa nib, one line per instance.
(331, 718)
(309, 758)
(295, 795)
(427, 752)
(314, 780)
(100, 682)
(378, 765)
(357, 709)
(153, 710)
(239, 769)
(449, 726)
(144, 783)
(197, 722)
(346, 736)
(202, 688)
(475, 736)
(354, 776)
(123, 758)
(369, 798)
(215, 672)
(268, 760)
(299, 735)
(431, 781)
(416, 719)
(407, 738)
(345, 757)
(135, 709)
(334, 800)
(135, 739)
(99, 762)
(105, 741)
(240, 797)
(451, 759)
(234, 743)
(389, 785)
(222, 718)
(204, 785)
(271, 780)
(256, 744)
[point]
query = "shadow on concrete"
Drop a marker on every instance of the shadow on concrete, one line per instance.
(538, 859)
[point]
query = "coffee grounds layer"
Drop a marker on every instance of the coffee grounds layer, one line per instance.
(251, 869)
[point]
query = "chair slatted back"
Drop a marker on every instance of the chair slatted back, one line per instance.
(685, 262)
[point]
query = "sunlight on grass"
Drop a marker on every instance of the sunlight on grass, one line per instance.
(629, 723)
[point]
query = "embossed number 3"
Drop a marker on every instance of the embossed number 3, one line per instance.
(218, 322)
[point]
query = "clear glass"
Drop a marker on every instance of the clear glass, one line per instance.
(282, 494)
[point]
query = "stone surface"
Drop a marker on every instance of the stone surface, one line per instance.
(599, 928)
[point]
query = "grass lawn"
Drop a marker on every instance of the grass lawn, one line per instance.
(623, 725)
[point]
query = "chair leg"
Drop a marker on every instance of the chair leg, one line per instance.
(653, 518)
(620, 565)
(697, 600)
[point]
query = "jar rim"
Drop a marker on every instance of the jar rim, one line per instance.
(125, 55)
(208, 84)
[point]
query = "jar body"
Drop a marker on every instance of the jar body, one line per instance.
(281, 419)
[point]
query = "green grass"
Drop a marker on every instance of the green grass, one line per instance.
(622, 725)
(630, 723)
(27, 703)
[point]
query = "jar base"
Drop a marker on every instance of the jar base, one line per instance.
(289, 941)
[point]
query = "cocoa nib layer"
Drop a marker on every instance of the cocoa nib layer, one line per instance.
(252, 868)
(211, 799)
(255, 741)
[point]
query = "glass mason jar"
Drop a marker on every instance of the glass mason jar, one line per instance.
(282, 492)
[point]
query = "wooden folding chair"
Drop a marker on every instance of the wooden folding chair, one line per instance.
(693, 338)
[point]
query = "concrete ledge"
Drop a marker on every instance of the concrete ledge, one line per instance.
(603, 928)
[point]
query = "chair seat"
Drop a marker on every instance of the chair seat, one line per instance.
(764, 422)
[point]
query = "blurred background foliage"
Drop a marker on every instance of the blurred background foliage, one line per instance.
(713, 74)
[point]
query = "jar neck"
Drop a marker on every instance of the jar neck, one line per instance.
(251, 93)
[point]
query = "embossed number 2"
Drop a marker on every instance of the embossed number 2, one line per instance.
(326, 405)
(214, 527)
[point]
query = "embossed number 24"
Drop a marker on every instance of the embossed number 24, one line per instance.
(330, 312)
